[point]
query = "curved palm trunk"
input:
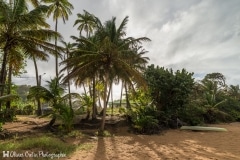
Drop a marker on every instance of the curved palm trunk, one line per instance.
(69, 89)
(121, 94)
(56, 56)
(84, 88)
(99, 100)
(39, 109)
(8, 104)
(127, 98)
(94, 108)
(3, 72)
(112, 99)
(104, 104)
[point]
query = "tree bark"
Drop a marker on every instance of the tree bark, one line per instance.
(94, 108)
(8, 103)
(3, 72)
(104, 104)
(121, 94)
(56, 56)
(39, 109)
(127, 98)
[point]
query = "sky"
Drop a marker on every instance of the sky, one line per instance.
(202, 36)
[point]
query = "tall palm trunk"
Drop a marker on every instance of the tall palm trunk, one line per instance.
(127, 98)
(94, 108)
(3, 72)
(69, 89)
(104, 103)
(121, 94)
(8, 104)
(84, 88)
(112, 99)
(56, 56)
(39, 109)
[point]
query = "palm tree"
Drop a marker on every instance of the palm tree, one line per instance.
(59, 9)
(23, 30)
(68, 47)
(234, 91)
(86, 23)
(137, 61)
(108, 60)
(211, 91)
(54, 95)
(15, 60)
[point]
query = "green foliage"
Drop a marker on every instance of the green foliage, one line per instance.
(66, 115)
(46, 144)
(8, 98)
(212, 115)
(169, 90)
(1, 124)
(28, 110)
(7, 115)
(231, 107)
(144, 119)
(53, 95)
(193, 114)
(103, 133)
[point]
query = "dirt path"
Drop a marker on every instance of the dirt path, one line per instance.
(173, 144)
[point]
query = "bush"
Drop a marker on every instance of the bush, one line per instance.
(66, 115)
(1, 124)
(28, 110)
(192, 115)
(144, 119)
(214, 116)
(8, 115)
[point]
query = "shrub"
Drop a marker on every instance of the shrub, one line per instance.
(144, 119)
(66, 115)
(28, 110)
(214, 115)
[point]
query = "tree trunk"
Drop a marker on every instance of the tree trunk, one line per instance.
(3, 72)
(121, 94)
(69, 89)
(104, 104)
(127, 98)
(39, 109)
(112, 99)
(8, 103)
(84, 88)
(94, 108)
(56, 56)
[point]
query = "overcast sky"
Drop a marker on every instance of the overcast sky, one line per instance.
(202, 36)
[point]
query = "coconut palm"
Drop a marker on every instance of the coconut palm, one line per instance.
(59, 9)
(137, 61)
(108, 60)
(68, 47)
(23, 30)
(53, 94)
(15, 60)
(86, 23)
(234, 91)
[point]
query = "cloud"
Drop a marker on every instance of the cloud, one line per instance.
(201, 36)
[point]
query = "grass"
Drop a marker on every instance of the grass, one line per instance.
(85, 146)
(45, 144)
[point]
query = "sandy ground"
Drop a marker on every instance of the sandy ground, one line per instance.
(171, 144)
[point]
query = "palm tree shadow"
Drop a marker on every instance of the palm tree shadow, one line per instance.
(101, 150)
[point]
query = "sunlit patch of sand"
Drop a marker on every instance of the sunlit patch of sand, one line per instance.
(173, 144)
